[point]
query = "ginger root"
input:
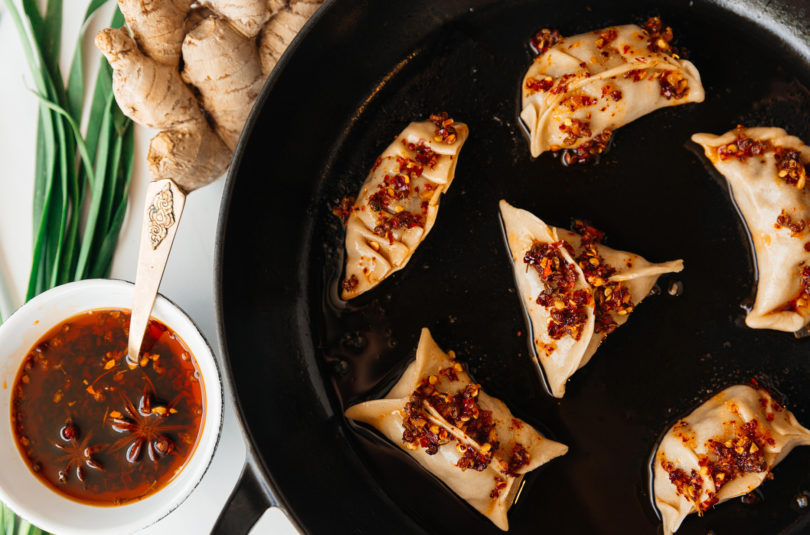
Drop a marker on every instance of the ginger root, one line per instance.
(223, 73)
(214, 46)
(247, 16)
(157, 26)
(153, 94)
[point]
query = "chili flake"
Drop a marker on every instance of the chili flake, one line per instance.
(785, 220)
(460, 410)
(566, 306)
(609, 296)
(500, 484)
(790, 167)
(606, 37)
(345, 208)
(350, 283)
(673, 84)
(445, 132)
(660, 36)
(533, 84)
(545, 39)
(519, 458)
(588, 151)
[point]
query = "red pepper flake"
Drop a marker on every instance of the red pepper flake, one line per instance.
(561, 85)
(690, 486)
(575, 129)
(424, 154)
(402, 220)
(744, 147)
(741, 454)
(566, 306)
(790, 167)
(519, 458)
(673, 84)
(533, 84)
(609, 90)
(350, 283)
(345, 208)
(636, 75)
(460, 410)
(500, 484)
(445, 131)
(785, 220)
(588, 151)
(660, 36)
(545, 39)
(472, 458)
(606, 37)
(610, 297)
(575, 102)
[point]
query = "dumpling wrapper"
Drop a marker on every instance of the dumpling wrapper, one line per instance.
(761, 196)
(562, 357)
(586, 78)
(721, 418)
(370, 256)
(475, 487)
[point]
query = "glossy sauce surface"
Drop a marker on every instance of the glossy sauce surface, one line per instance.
(96, 428)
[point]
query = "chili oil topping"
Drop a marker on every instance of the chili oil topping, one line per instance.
(785, 220)
(567, 306)
(725, 459)
(460, 410)
(445, 131)
(789, 165)
(544, 39)
(610, 296)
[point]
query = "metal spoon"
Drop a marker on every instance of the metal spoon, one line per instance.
(165, 201)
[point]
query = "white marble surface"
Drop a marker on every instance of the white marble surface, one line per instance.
(189, 278)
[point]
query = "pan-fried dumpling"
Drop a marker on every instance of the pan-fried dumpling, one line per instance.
(398, 202)
(766, 169)
(575, 290)
(582, 88)
(725, 448)
(467, 439)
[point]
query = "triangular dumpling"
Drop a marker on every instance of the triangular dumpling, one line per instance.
(766, 169)
(575, 290)
(725, 448)
(399, 201)
(467, 439)
(581, 89)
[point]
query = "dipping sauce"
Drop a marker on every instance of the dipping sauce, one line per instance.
(96, 428)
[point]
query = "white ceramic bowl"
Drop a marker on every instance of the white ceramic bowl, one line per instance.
(27, 495)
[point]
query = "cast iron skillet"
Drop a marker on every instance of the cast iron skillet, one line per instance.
(298, 356)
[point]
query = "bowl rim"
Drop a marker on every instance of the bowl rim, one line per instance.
(214, 395)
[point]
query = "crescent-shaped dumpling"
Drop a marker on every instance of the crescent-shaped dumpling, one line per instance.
(766, 169)
(725, 448)
(399, 201)
(581, 89)
(575, 290)
(467, 439)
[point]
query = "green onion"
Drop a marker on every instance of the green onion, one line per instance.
(81, 181)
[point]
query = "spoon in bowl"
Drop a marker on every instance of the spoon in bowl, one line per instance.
(165, 201)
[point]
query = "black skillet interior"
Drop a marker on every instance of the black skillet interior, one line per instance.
(298, 356)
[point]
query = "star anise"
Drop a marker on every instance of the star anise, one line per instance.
(76, 454)
(146, 427)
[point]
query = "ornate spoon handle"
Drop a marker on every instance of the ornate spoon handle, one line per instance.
(164, 206)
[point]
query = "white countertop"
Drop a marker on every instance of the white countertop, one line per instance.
(189, 278)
